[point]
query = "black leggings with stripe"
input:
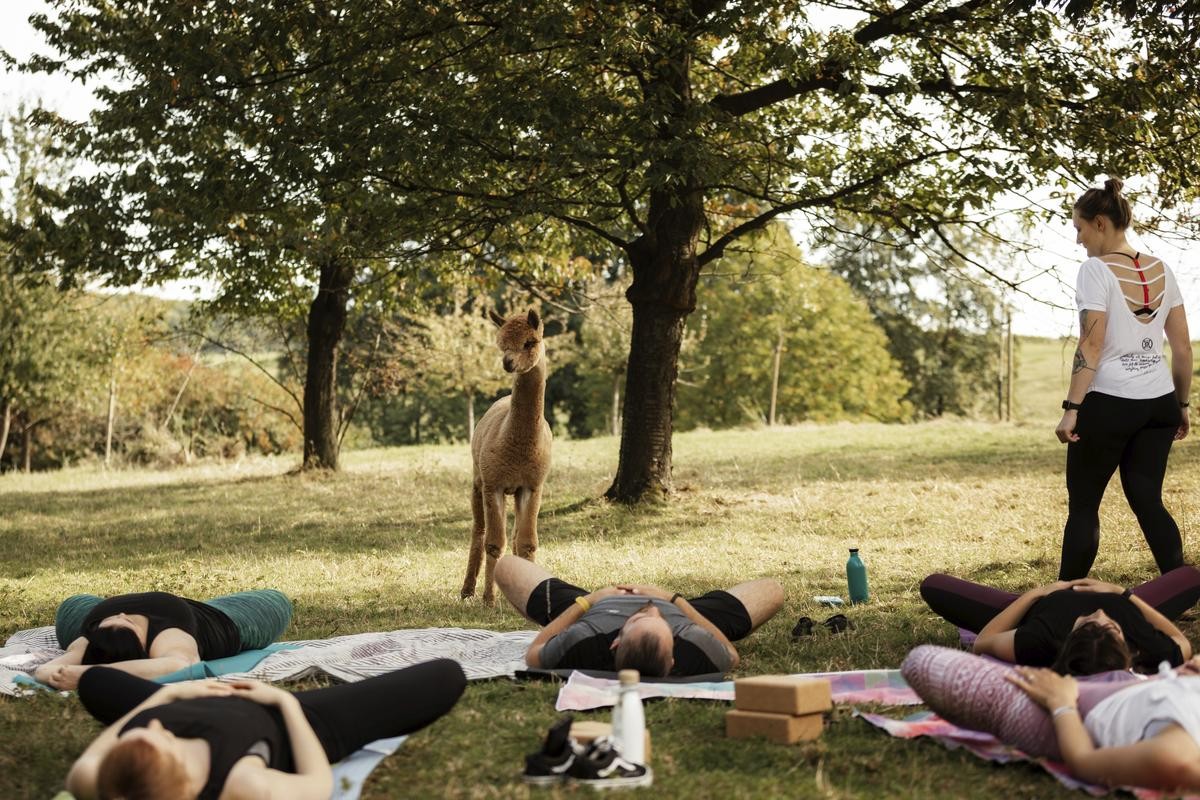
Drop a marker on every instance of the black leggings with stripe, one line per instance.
(1135, 437)
(971, 606)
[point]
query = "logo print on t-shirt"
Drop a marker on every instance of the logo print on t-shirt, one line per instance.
(1147, 344)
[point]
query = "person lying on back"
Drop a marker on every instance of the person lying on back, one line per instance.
(634, 626)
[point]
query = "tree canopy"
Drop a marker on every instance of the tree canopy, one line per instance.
(298, 151)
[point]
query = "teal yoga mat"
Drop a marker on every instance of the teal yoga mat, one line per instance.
(261, 615)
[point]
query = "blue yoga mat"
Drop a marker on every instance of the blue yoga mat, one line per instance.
(242, 662)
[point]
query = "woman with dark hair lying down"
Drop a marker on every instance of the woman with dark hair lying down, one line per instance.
(150, 634)
(227, 741)
(1124, 731)
(1146, 734)
(1079, 627)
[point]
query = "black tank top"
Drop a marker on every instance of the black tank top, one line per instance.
(215, 634)
(232, 726)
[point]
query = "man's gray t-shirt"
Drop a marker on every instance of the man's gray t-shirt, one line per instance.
(587, 642)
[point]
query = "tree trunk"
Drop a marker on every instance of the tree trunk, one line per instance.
(27, 448)
(775, 377)
(326, 324)
(5, 427)
(182, 387)
(616, 406)
(470, 416)
(112, 414)
(665, 271)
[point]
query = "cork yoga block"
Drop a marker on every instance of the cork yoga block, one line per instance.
(585, 731)
(782, 694)
(782, 728)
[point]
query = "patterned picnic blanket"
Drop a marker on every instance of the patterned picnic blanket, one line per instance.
(885, 686)
(483, 654)
(987, 747)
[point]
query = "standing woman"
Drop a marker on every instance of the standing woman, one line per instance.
(1124, 407)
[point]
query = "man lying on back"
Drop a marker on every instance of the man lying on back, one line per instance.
(634, 626)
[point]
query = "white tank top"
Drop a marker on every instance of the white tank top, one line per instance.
(1131, 361)
(1144, 709)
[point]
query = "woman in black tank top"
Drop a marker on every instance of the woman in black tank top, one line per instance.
(147, 634)
(210, 740)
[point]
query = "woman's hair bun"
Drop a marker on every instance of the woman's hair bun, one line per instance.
(1114, 185)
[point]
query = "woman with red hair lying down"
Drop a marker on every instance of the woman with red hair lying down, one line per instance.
(1124, 732)
(245, 739)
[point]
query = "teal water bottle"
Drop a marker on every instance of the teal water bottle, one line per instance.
(856, 577)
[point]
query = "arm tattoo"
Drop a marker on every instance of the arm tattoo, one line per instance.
(1085, 330)
(1080, 362)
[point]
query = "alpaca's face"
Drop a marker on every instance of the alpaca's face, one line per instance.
(520, 340)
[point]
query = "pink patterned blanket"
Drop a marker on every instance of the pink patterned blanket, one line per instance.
(884, 686)
(987, 747)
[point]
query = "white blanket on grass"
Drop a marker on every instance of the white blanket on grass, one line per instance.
(482, 654)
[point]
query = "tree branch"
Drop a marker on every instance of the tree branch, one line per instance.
(260, 367)
(832, 73)
(717, 248)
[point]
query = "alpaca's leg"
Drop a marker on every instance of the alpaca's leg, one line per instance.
(525, 541)
(477, 528)
(494, 539)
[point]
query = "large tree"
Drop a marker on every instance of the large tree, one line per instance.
(667, 131)
(231, 144)
(663, 131)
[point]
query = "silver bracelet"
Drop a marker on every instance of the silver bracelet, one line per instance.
(1058, 712)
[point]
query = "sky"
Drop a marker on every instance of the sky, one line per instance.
(1047, 275)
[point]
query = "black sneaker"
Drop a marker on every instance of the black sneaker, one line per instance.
(602, 767)
(551, 764)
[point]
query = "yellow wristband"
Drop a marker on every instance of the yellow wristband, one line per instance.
(583, 603)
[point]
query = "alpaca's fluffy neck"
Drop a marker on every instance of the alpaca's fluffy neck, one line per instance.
(528, 399)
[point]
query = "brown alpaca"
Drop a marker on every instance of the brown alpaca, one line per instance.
(511, 453)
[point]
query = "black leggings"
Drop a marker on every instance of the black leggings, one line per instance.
(972, 605)
(1135, 436)
(345, 717)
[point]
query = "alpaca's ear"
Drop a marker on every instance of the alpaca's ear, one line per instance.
(553, 327)
(496, 318)
(533, 319)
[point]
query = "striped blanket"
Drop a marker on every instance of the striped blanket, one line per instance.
(884, 686)
(482, 654)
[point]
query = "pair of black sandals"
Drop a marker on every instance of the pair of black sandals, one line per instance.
(838, 623)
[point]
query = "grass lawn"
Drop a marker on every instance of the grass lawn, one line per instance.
(383, 545)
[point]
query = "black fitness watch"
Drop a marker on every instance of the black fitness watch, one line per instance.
(1128, 593)
(1069, 406)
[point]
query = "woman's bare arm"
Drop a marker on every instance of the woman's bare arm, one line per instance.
(72, 657)
(313, 778)
(997, 638)
(1181, 363)
(1092, 327)
(171, 651)
(1166, 761)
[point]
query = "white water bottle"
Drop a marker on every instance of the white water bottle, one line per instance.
(629, 720)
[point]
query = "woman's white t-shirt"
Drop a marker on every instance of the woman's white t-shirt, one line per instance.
(1144, 709)
(1131, 362)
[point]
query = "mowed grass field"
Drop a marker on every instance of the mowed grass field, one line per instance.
(382, 545)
